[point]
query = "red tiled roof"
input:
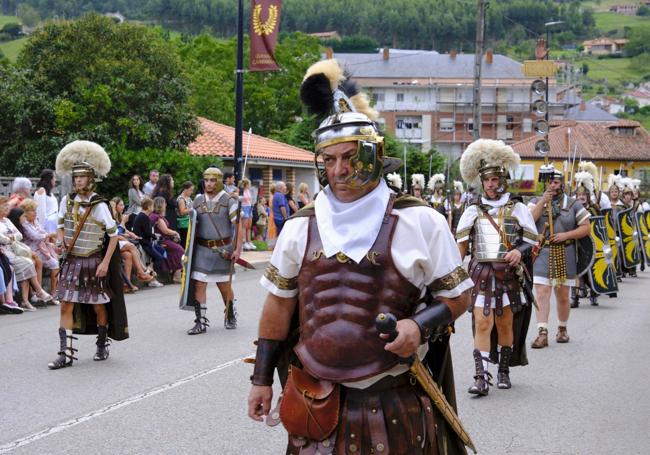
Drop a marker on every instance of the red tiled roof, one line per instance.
(594, 141)
(219, 140)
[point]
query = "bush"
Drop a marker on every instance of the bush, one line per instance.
(181, 165)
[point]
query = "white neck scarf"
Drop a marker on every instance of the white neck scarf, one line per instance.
(497, 202)
(350, 227)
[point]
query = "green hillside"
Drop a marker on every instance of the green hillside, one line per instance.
(8, 19)
(606, 22)
(12, 48)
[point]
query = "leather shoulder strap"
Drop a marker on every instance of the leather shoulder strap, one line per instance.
(406, 201)
(306, 211)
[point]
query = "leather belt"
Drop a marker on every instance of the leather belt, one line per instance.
(565, 243)
(213, 243)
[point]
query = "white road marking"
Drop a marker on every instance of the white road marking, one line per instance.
(113, 407)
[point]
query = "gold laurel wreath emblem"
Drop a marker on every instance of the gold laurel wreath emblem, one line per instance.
(268, 26)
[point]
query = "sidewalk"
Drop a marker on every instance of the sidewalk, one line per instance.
(258, 258)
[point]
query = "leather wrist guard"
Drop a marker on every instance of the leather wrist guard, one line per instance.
(432, 317)
(524, 248)
(266, 359)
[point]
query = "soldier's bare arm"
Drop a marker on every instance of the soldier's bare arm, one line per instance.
(274, 327)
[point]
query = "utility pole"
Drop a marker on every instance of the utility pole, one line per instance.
(478, 61)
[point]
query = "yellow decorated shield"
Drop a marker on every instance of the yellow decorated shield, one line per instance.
(602, 273)
(644, 235)
(631, 252)
(610, 227)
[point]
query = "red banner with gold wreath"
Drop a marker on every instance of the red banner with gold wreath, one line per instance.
(265, 24)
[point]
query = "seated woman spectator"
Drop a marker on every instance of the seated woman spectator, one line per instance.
(168, 239)
(7, 304)
(165, 189)
(128, 252)
(19, 256)
(184, 207)
(41, 243)
(143, 229)
(47, 212)
(135, 195)
(21, 189)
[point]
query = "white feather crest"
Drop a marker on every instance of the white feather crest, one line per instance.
(417, 179)
(458, 186)
(86, 151)
(636, 184)
(588, 166)
(584, 178)
(436, 179)
(613, 179)
(626, 183)
(395, 180)
(486, 152)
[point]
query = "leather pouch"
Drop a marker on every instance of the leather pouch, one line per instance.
(310, 408)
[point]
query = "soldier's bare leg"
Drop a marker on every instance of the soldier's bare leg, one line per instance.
(66, 351)
(102, 314)
(563, 311)
(200, 308)
(543, 297)
(506, 341)
(230, 320)
(483, 328)
(102, 332)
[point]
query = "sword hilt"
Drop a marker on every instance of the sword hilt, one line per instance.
(386, 323)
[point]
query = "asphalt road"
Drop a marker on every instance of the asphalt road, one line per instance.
(163, 392)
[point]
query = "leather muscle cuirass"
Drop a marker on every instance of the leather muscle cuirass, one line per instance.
(339, 301)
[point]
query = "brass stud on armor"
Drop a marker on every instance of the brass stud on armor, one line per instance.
(418, 438)
(374, 410)
(380, 447)
(353, 447)
(428, 408)
(352, 436)
(326, 443)
(394, 421)
(275, 415)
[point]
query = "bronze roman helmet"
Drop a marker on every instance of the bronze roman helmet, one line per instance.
(327, 92)
(214, 173)
(84, 158)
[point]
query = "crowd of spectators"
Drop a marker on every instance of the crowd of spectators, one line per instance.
(152, 231)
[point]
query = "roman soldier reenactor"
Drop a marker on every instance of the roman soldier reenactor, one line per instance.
(340, 265)
(561, 220)
(417, 186)
(502, 233)
(213, 246)
(90, 286)
(455, 211)
(436, 186)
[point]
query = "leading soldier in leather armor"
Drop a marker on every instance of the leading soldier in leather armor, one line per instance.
(501, 232)
(90, 284)
(215, 249)
(359, 250)
(556, 267)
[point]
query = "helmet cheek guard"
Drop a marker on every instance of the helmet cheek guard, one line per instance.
(366, 164)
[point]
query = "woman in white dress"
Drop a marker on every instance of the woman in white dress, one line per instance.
(48, 207)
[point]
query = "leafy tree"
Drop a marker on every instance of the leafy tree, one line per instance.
(27, 15)
(12, 29)
(180, 164)
(639, 42)
(643, 11)
(271, 100)
(354, 43)
(114, 84)
(29, 138)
